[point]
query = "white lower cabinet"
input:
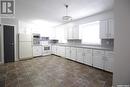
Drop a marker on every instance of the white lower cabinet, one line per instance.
(37, 51)
(61, 51)
(58, 51)
(67, 52)
(80, 55)
(54, 49)
(108, 61)
(88, 56)
(98, 56)
(101, 59)
(73, 53)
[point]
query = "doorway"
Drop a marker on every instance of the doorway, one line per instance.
(8, 37)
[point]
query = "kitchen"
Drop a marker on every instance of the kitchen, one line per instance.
(68, 40)
(77, 47)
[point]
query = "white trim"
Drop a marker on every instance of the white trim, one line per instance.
(2, 44)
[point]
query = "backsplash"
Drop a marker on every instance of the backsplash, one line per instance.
(107, 43)
(74, 41)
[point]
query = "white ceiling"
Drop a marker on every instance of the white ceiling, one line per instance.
(53, 10)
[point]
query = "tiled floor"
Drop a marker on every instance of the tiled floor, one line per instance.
(52, 71)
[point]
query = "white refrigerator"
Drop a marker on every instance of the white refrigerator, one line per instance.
(25, 46)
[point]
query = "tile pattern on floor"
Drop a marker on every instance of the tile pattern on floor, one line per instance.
(52, 71)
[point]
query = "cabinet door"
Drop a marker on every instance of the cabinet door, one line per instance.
(25, 49)
(37, 51)
(79, 55)
(108, 62)
(75, 31)
(54, 49)
(40, 50)
(111, 28)
(62, 51)
(69, 32)
(103, 29)
(73, 53)
(88, 56)
(58, 50)
(67, 52)
(98, 56)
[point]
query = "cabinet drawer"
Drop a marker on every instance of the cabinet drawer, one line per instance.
(99, 52)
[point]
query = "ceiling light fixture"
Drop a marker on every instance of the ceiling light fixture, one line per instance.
(66, 18)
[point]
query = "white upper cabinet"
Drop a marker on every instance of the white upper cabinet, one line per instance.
(72, 31)
(88, 58)
(73, 53)
(80, 55)
(103, 29)
(111, 28)
(69, 31)
(98, 59)
(75, 31)
(107, 29)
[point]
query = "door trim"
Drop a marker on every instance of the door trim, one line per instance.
(2, 44)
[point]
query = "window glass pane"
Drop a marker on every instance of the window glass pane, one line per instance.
(89, 33)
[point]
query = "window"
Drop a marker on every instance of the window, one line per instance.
(89, 33)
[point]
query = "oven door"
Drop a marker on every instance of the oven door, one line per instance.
(46, 50)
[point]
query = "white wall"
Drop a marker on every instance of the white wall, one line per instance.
(122, 42)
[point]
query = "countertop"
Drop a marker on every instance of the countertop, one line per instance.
(86, 46)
